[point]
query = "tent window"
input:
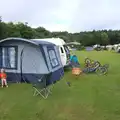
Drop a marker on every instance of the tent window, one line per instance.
(53, 58)
(9, 57)
(61, 50)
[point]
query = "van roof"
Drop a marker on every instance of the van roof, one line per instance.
(56, 41)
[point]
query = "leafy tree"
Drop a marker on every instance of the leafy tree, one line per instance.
(86, 38)
(104, 38)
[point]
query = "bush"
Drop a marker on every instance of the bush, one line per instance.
(81, 48)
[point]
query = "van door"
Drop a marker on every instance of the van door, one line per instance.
(63, 55)
(67, 55)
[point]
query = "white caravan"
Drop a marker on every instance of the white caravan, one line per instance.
(63, 49)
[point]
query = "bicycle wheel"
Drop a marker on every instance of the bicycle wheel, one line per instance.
(97, 64)
(101, 70)
(106, 65)
(86, 70)
(87, 61)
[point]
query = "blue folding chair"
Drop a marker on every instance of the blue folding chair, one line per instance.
(74, 61)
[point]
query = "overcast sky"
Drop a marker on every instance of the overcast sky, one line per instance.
(63, 15)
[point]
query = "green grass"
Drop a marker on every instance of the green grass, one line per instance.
(90, 97)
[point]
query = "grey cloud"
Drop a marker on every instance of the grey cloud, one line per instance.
(73, 15)
(97, 15)
(28, 10)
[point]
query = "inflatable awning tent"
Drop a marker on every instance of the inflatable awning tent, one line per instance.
(27, 60)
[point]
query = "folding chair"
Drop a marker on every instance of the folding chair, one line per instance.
(41, 88)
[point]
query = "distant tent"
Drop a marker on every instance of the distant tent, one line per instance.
(118, 50)
(115, 46)
(96, 46)
(109, 47)
(74, 45)
(89, 48)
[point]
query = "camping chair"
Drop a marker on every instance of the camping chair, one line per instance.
(74, 62)
(41, 88)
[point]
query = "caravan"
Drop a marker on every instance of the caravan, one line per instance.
(28, 60)
(63, 49)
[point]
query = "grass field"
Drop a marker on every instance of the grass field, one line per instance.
(90, 97)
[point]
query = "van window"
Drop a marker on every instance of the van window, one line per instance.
(61, 50)
(66, 49)
(53, 58)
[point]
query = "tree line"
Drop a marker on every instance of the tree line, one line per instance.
(86, 38)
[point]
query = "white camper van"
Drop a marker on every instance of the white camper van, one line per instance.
(63, 49)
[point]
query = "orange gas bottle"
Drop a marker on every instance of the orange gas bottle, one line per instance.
(76, 71)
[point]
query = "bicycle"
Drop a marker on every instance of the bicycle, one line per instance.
(91, 63)
(102, 70)
(95, 66)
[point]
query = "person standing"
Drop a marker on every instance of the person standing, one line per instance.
(3, 77)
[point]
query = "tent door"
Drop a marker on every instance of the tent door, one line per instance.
(32, 64)
(23, 78)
